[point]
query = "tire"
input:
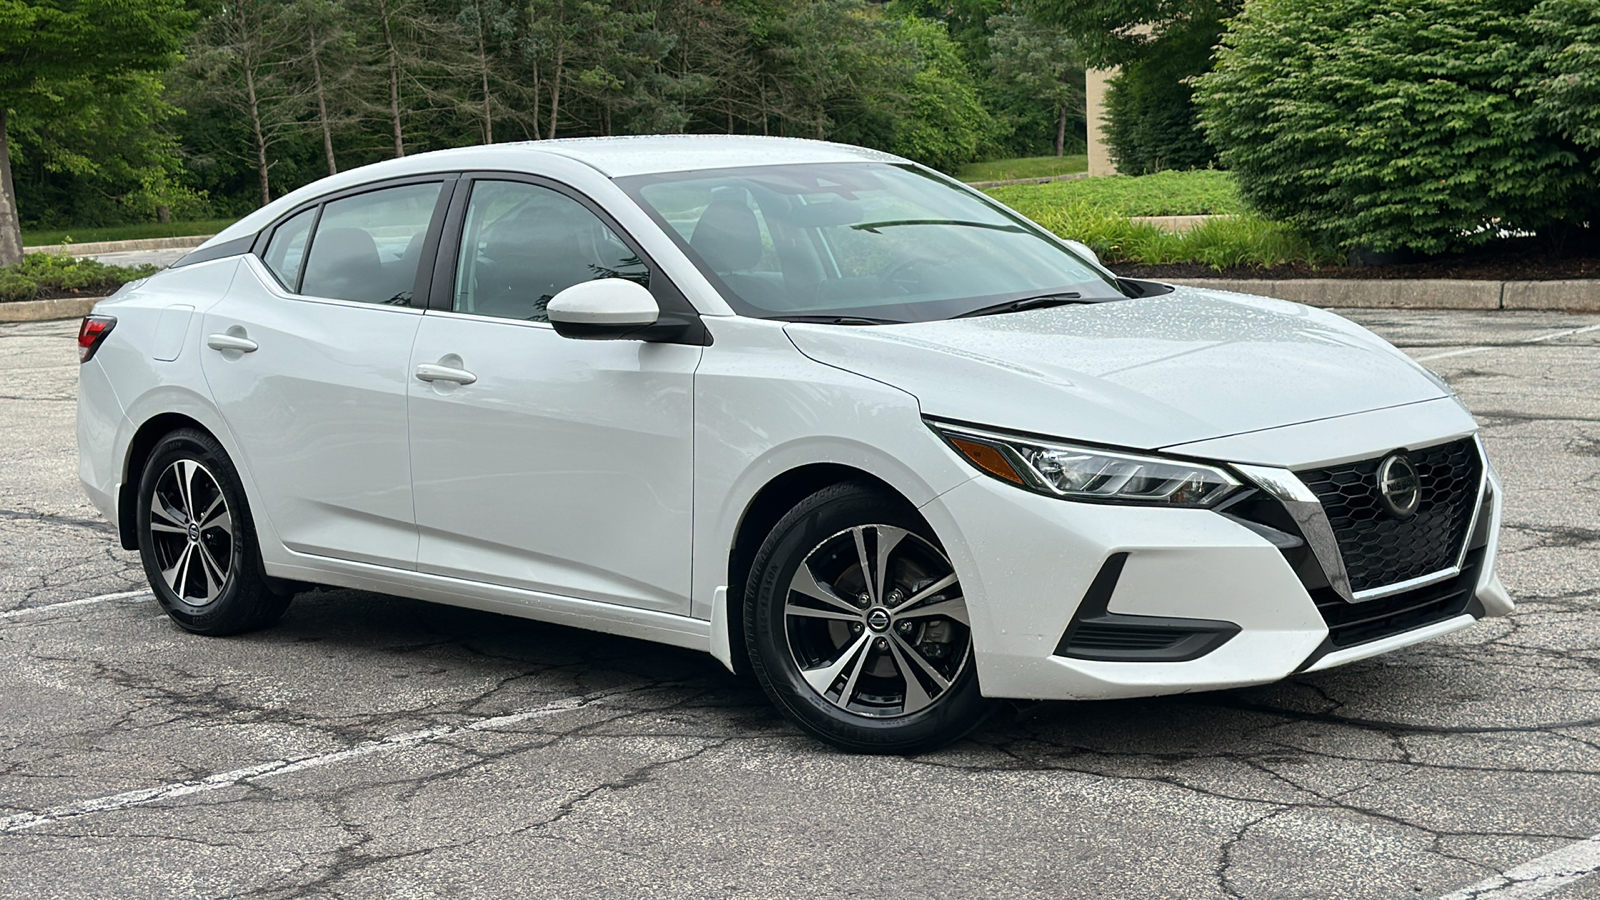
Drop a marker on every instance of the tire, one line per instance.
(835, 656)
(197, 541)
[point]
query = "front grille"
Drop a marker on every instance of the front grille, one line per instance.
(1380, 549)
(1350, 624)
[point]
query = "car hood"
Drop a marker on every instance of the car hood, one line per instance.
(1148, 373)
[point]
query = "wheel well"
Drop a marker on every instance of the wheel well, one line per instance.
(138, 451)
(770, 504)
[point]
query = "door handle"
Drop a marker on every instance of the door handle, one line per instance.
(433, 372)
(231, 342)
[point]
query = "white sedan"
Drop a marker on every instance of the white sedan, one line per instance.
(820, 412)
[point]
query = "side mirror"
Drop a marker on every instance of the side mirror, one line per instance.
(610, 309)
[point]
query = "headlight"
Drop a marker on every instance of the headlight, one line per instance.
(1090, 473)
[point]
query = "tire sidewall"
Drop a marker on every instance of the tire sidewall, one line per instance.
(824, 514)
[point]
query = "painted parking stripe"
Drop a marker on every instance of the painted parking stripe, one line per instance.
(277, 767)
(1533, 340)
(52, 607)
(1538, 877)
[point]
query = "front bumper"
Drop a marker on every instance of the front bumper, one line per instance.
(1029, 562)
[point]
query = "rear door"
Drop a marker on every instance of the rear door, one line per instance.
(307, 357)
(561, 466)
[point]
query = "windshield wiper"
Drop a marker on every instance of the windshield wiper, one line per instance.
(839, 320)
(1039, 302)
(992, 226)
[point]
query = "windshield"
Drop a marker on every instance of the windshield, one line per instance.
(868, 242)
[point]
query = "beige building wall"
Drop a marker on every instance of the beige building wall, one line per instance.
(1094, 90)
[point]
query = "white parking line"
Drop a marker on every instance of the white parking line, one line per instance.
(24, 821)
(51, 607)
(1534, 340)
(1538, 877)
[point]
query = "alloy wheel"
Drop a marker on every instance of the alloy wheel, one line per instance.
(191, 530)
(876, 622)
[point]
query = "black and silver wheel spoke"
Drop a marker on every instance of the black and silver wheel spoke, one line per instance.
(854, 657)
(192, 529)
(876, 621)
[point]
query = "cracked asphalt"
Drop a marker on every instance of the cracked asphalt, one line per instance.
(376, 746)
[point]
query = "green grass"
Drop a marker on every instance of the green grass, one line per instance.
(1025, 167)
(1198, 193)
(44, 275)
(43, 238)
(1243, 240)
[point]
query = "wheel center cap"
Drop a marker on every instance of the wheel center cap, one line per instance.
(878, 619)
(194, 532)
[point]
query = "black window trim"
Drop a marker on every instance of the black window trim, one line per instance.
(682, 321)
(447, 182)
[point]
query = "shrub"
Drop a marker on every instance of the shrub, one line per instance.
(1569, 89)
(1392, 124)
(48, 275)
(1244, 240)
(1200, 193)
(1151, 121)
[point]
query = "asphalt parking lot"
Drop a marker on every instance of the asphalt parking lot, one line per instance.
(375, 746)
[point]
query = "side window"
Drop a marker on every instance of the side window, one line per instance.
(287, 249)
(523, 244)
(367, 247)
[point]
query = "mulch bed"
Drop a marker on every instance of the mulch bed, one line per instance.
(1522, 260)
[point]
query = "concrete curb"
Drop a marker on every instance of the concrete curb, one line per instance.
(1573, 296)
(1174, 223)
(93, 248)
(45, 310)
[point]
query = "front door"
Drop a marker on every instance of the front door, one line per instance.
(541, 462)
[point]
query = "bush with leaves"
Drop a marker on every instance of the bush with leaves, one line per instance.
(1393, 124)
(1151, 121)
(1569, 48)
(45, 275)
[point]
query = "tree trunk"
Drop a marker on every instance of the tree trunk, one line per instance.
(555, 92)
(1061, 130)
(255, 131)
(394, 82)
(322, 106)
(483, 75)
(10, 225)
(535, 117)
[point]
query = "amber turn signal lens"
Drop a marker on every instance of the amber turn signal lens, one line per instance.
(988, 459)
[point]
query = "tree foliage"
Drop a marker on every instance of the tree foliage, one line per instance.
(1118, 32)
(1038, 64)
(275, 93)
(48, 46)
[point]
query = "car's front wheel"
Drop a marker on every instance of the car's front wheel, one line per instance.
(857, 627)
(196, 539)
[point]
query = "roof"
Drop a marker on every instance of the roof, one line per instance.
(648, 154)
(614, 157)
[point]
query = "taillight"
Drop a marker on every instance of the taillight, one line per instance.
(92, 333)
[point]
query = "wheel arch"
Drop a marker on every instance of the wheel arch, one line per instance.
(761, 513)
(144, 440)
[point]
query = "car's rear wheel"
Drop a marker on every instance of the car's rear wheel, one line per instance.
(196, 540)
(857, 627)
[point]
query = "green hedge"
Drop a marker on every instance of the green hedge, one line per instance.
(1403, 124)
(1151, 121)
(45, 275)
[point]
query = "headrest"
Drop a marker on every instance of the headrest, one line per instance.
(727, 235)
